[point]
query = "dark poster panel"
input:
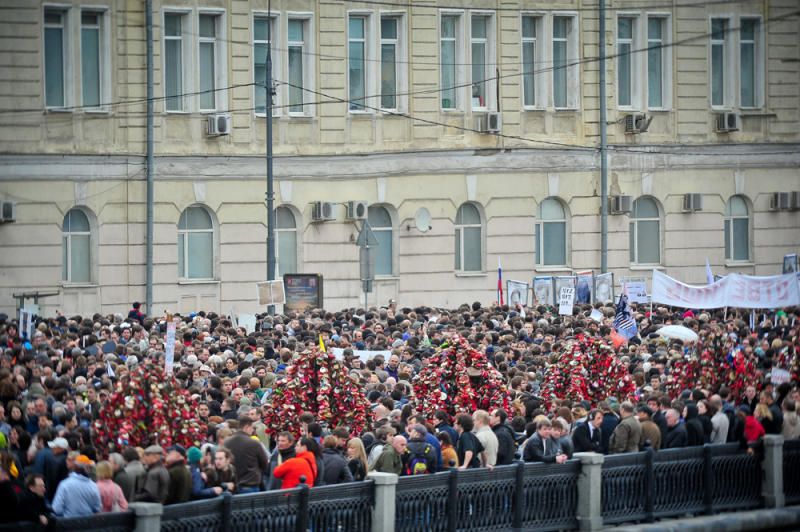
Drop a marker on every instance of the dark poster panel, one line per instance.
(303, 291)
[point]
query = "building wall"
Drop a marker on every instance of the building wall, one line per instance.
(55, 160)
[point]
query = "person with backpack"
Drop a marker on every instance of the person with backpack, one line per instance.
(420, 457)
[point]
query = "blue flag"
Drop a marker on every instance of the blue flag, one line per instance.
(624, 323)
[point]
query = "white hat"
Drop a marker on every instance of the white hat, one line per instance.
(61, 443)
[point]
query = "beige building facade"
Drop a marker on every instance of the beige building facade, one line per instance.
(470, 130)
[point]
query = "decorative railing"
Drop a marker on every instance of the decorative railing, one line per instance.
(791, 471)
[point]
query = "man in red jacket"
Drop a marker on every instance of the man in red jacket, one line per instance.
(304, 464)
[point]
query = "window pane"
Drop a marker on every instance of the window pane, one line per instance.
(449, 27)
(718, 29)
(472, 249)
(528, 68)
(448, 75)
(468, 214)
(296, 79)
(388, 76)
(737, 207)
(207, 95)
(560, 73)
(54, 67)
(195, 218)
(260, 29)
(357, 74)
(172, 25)
(479, 74)
(528, 28)
(648, 242)
(383, 254)
(65, 258)
(625, 28)
(287, 252)
(378, 217)
(624, 73)
(284, 219)
(76, 221)
(260, 77)
(748, 71)
(741, 239)
(296, 30)
(655, 73)
(645, 208)
(90, 66)
(173, 75)
(479, 27)
(537, 245)
(200, 255)
(727, 239)
(632, 241)
(81, 260)
(551, 209)
(181, 258)
(560, 27)
(457, 253)
(555, 241)
(654, 28)
(388, 28)
(208, 26)
(356, 28)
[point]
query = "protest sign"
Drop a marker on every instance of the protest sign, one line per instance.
(338, 352)
(169, 358)
(637, 290)
(517, 293)
(271, 293)
(583, 285)
(543, 290)
(566, 299)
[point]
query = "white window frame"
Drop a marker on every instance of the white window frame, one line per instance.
(539, 234)
(666, 62)
(401, 60)
(183, 275)
(67, 61)
(274, 20)
(68, 235)
(279, 231)
(187, 64)
(635, 60)
(729, 88)
(759, 65)
(392, 234)
(729, 221)
(490, 63)
(369, 61)
(634, 228)
(459, 268)
(220, 54)
(309, 80)
(539, 48)
(104, 57)
(460, 90)
(573, 95)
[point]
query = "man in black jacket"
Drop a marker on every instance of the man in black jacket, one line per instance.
(249, 456)
(676, 432)
(505, 437)
(541, 447)
(587, 436)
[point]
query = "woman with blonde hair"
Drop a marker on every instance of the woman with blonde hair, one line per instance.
(357, 459)
(111, 497)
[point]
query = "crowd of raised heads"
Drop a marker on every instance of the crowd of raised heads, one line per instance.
(54, 383)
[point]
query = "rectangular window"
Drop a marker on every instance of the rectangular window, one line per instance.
(479, 48)
(389, 58)
(263, 30)
(748, 62)
(357, 61)
(55, 57)
(655, 62)
(563, 49)
(296, 59)
(91, 59)
(625, 73)
(529, 61)
(173, 61)
(447, 61)
(207, 42)
(719, 35)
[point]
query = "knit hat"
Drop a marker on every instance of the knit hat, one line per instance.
(194, 455)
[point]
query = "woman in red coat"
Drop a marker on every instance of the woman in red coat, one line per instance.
(303, 464)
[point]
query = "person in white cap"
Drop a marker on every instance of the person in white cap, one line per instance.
(51, 463)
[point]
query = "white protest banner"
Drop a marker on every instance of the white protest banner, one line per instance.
(734, 290)
(271, 292)
(26, 324)
(543, 290)
(596, 315)
(604, 288)
(248, 321)
(517, 293)
(338, 352)
(779, 376)
(637, 290)
(566, 299)
(169, 358)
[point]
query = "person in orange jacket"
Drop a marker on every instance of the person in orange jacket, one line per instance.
(304, 464)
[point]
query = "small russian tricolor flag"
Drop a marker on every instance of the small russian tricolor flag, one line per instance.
(500, 284)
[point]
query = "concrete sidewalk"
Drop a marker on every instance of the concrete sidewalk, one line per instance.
(773, 519)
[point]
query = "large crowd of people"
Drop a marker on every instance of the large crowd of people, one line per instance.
(54, 384)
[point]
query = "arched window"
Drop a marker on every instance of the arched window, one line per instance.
(195, 244)
(469, 239)
(381, 224)
(77, 248)
(551, 234)
(645, 232)
(286, 245)
(737, 230)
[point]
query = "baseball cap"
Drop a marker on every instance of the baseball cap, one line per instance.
(154, 449)
(84, 460)
(61, 443)
(180, 449)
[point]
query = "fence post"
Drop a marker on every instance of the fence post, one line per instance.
(772, 488)
(148, 516)
(383, 515)
(708, 480)
(226, 511)
(590, 488)
(301, 523)
(452, 501)
(649, 484)
(519, 495)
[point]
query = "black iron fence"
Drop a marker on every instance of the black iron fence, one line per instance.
(791, 471)
(674, 482)
(529, 496)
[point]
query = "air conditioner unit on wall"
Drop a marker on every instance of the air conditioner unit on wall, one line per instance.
(780, 201)
(8, 211)
(637, 123)
(794, 201)
(357, 210)
(621, 204)
(692, 202)
(486, 122)
(726, 122)
(217, 125)
(322, 211)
